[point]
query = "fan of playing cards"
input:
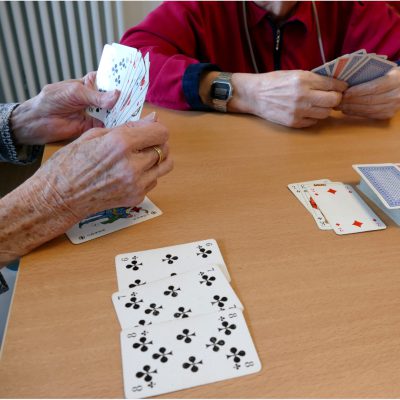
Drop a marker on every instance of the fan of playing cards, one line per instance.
(123, 68)
(337, 206)
(356, 68)
(182, 323)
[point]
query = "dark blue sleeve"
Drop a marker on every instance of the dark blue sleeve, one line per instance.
(398, 63)
(191, 83)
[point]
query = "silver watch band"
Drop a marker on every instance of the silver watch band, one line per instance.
(221, 105)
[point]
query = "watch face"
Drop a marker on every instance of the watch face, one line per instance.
(220, 91)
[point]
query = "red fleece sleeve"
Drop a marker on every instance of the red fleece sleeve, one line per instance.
(374, 26)
(170, 35)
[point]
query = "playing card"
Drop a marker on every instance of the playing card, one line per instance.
(300, 190)
(355, 61)
(344, 209)
(123, 68)
(124, 73)
(201, 291)
(114, 219)
(180, 354)
(340, 65)
(318, 216)
(393, 213)
(136, 93)
(356, 68)
(384, 180)
(137, 268)
(373, 68)
(321, 70)
(103, 81)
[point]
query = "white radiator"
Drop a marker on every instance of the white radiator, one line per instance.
(48, 41)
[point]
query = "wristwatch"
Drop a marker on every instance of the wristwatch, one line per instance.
(221, 91)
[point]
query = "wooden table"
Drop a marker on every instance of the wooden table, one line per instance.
(324, 310)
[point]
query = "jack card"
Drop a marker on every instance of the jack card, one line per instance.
(114, 219)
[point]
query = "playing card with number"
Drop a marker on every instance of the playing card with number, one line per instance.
(137, 268)
(123, 68)
(344, 209)
(180, 354)
(114, 219)
(132, 103)
(200, 291)
(300, 190)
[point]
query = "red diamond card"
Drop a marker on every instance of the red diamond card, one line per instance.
(344, 209)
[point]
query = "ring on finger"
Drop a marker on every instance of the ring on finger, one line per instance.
(159, 153)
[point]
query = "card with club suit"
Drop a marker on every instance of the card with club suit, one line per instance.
(200, 291)
(140, 267)
(181, 354)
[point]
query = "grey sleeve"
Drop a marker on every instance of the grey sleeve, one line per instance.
(9, 151)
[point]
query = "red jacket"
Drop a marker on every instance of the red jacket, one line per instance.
(180, 34)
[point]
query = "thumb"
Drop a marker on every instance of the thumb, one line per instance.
(148, 119)
(327, 83)
(102, 99)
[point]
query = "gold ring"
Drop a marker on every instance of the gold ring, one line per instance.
(159, 153)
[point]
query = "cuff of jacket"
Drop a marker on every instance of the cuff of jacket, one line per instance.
(398, 63)
(191, 84)
(9, 152)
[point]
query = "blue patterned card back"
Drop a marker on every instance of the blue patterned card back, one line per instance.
(385, 179)
(372, 69)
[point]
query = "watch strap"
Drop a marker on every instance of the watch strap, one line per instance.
(218, 104)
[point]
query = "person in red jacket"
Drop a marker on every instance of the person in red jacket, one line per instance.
(270, 47)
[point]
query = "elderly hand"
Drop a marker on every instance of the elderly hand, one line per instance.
(58, 111)
(104, 168)
(378, 99)
(296, 99)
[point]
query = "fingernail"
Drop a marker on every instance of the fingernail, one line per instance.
(151, 117)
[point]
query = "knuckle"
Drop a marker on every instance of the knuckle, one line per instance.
(163, 131)
(46, 89)
(298, 82)
(119, 142)
(169, 165)
(336, 99)
(75, 87)
(293, 120)
(129, 179)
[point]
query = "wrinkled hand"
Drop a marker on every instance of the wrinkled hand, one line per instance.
(104, 168)
(293, 98)
(377, 99)
(58, 111)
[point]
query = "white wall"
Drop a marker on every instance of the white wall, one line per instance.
(136, 11)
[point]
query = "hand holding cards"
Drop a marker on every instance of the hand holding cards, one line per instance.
(356, 68)
(125, 69)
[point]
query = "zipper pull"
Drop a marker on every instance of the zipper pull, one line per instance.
(278, 39)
